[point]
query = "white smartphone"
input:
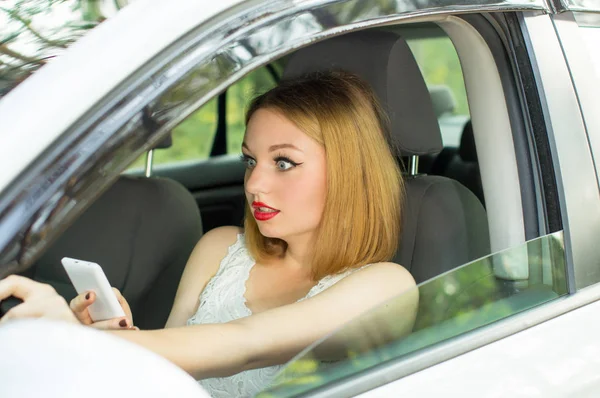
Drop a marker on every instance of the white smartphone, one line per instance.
(88, 276)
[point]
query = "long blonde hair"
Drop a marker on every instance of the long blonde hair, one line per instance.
(361, 219)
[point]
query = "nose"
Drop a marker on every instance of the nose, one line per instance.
(257, 181)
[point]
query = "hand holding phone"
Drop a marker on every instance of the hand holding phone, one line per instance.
(88, 276)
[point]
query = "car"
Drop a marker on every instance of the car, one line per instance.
(125, 150)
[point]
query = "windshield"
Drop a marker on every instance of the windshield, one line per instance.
(459, 301)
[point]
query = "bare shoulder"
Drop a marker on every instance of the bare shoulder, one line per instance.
(212, 248)
(202, 265)
(382, 275)
(220, 237)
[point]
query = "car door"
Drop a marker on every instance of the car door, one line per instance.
(513, 344)
(529, 132)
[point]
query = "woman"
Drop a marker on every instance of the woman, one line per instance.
(324, 197)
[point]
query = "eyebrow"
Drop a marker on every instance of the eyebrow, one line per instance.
(275, 147)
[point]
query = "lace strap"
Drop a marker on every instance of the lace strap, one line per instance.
(231, 251)
(329, 281)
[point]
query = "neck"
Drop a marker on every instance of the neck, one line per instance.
(298, 250)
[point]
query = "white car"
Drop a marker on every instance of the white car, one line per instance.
(501, 232)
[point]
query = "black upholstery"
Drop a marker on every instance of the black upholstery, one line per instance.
(141, 231)
(380, 58)
(444, 224)
(461, 163)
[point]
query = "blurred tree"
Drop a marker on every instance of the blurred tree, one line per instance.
(32, 32)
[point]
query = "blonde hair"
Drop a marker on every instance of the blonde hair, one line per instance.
(361, 219)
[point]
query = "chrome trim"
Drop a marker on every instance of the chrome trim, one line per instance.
(454, 347)
(584, 77)
(413, 165)
(578, 197)
(578, 5)
(91, 154)
(149, 162)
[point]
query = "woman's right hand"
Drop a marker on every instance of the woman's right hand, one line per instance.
(79, 305)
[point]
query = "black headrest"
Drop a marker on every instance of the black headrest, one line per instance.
(467, 151)
(151, 124)
(385, 61)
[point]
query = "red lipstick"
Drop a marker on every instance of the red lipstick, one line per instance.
(263, 212)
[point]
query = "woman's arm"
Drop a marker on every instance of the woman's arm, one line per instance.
(275, 336)
(42, 301)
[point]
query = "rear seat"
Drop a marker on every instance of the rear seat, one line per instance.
(461, 163)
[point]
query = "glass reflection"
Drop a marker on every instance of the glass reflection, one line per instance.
(449, 305)
(581, 5)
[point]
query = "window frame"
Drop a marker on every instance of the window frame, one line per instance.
(569, 146)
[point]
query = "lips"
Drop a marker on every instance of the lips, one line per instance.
(263, 212)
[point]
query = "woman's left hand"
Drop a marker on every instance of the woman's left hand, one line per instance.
(39, 300)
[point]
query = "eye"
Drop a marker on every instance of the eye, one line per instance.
(248, 161)
(284, 164)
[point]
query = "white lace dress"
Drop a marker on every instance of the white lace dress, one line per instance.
(222, 300)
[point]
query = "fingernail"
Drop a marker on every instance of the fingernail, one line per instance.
(87, 296)
(123, 323)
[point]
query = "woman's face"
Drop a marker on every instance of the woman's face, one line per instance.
(285, 180)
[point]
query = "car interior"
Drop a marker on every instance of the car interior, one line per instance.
(458, 206)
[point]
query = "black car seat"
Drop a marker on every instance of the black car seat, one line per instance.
(141, 231)
(461, 163)
(444, 224)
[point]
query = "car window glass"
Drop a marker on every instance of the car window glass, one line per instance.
(192, 138)
(238, 98)
(454, 303)
(440, 66)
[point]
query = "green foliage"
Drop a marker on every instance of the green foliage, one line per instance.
(34, 31)
(439, 64)
(437, 59)
(193, 138)
(238, 99)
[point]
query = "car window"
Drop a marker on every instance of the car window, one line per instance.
(238, 98)
(464, 299)
(440, 66)
(193, 138)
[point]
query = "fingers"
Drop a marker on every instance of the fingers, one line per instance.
(114, 324)
(39, 300)
(22, 311)
(23, 288)
(124, 303)
(118, 294)
(41, 306)
(79, 305)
